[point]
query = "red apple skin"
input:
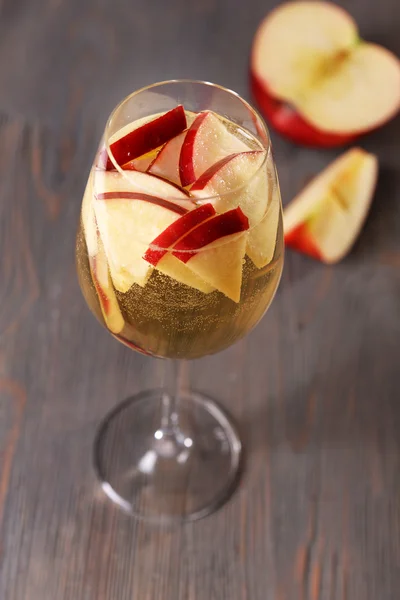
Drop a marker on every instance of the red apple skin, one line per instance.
(180, 189)
(180, 210)
(232, 221)
(290, 124)
(176, 230)
(146, 138)
(207, 176)
(186, 170)
(300, 239)
(130, 345)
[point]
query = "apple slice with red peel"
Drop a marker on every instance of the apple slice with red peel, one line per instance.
(130, 345)
(211, 230)
(167, 238)
(309, 55)
(228, 179)
(137, 164)
(113, 182)
(215, 249)
(206, 142)
(158, 256)
(147, 137)
(166, 163)
(242, 180)
(98, 265)
(325, 219)
(129, 217)
(107, 299)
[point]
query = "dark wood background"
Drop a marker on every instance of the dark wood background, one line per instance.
(316, 387)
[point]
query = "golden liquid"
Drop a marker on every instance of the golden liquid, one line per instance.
(169, 319)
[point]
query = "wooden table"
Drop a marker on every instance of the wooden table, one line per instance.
(316, 387)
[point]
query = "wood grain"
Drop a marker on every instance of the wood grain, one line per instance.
(315, 388)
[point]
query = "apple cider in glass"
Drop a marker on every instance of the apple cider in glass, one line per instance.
(180, 246)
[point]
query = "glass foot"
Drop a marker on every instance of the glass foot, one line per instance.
(167, 475)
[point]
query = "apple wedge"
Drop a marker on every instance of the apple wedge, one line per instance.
(325, 219)
(168, 238)
(98, 264)
(177, 270)
(308, 55)
(206, 142)
(107, 299)
(166, 163)
(158, 256)
(146, 138)
(242, 180)
(129, 216)
(136, 164)
(214, 250)
(137, 182)
(88, 218)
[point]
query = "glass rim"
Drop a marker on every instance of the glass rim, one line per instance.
(255, 114)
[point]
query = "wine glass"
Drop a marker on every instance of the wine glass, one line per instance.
(179, 253)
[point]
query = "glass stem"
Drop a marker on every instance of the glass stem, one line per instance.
(175, 383)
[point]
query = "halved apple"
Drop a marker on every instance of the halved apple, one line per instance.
(242, 180)
(214, 250)
(206, 142)
(144, 138)
(325, 219)
(288, 122)
(129, 217)
(309, 56)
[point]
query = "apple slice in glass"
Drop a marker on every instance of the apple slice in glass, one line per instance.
(242, 180)
(98, 264)
(215, 249)
(206, 142)
(158, 256)
(105, 291)
(166, 163)
(145, 138)
(129, 216)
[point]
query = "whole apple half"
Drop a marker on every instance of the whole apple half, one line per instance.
(316, 81)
